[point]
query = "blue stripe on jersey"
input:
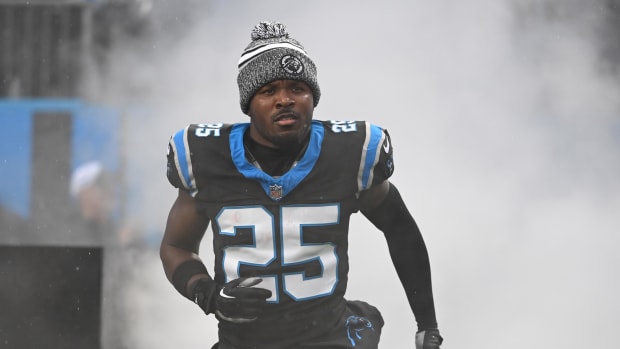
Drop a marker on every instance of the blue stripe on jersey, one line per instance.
(290, 179)
(181, 156)
(376, 134)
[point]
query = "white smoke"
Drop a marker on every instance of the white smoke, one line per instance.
(504, 119)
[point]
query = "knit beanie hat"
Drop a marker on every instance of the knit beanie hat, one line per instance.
(273, 55)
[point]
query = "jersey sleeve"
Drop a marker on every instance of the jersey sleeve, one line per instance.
(179, 167)
(377, 161)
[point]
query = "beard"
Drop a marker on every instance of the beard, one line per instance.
(290, 143)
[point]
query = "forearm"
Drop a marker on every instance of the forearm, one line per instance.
(411, 261)
(409, 255)
(180, 245)
(182, 268)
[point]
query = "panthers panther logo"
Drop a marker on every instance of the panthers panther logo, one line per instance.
(291, 65)
(355, 326)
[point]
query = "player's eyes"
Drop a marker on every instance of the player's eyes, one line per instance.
(298, 88)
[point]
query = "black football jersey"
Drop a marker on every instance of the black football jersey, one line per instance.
(292, 230)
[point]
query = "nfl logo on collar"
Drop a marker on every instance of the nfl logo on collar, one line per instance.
(275, 191)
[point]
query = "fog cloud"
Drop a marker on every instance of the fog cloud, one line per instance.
(504, 116)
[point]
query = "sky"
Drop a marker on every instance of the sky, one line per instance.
(505, 122)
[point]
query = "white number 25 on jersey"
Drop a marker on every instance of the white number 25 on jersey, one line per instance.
(294, 251)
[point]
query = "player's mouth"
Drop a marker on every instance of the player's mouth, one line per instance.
(286, 119)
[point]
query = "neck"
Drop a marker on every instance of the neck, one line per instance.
(274, 161)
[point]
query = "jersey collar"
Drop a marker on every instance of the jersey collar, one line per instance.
(276, 188)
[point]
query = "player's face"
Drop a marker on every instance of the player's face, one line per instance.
(281, 113)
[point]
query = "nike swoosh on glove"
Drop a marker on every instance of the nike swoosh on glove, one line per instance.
(240, 302)
(428, 339)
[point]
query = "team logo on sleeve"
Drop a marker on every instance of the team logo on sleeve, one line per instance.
(389, 167)
(275, 192)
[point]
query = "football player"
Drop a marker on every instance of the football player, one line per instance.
(278, 193)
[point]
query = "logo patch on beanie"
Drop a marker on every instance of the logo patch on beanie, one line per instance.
(291, 65)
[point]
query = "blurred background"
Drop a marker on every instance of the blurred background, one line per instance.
(504, 116)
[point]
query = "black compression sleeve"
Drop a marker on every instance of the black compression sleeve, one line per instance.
(184, 272)
(408, 253)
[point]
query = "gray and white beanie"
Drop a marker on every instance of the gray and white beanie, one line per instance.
(273, 55)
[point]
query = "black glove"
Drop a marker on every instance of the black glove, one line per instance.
(428, 339)
(205, 290)
(238, 301)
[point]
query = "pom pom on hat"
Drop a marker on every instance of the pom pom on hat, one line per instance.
(273, 55)
(268, 30)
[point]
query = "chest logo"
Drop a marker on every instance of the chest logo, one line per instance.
(275, 192)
